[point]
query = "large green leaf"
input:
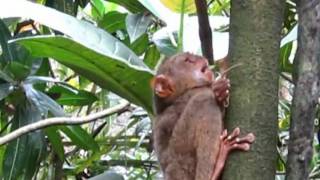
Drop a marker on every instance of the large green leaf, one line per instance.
(113, 21)
(137, 25)
(123, 79)
(164, 42)
(89, 51)
(140, 45)
(23, 155)
(80, 137)
(97, 9)
(4, 37)
(55, 140)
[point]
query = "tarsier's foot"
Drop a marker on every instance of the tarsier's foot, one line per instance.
(229, 143)
(221, 89)
(233, 141)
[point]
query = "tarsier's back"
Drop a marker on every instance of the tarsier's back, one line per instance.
(186, 135)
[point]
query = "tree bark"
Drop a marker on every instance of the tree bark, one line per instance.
(306, 92)
(255, 28)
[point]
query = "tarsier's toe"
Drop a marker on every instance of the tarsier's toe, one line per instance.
(251, 137)
(235, 133)
(243, 146)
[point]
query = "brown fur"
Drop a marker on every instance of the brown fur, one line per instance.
(188, 124)
(187, 140)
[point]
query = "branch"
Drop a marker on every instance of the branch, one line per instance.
(129, 163)
(205, 32)
(61, 121)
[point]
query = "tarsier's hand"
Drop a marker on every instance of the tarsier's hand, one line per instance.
(221, 88)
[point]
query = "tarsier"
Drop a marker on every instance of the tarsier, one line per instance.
(189, 139)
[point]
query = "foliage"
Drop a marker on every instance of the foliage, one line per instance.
(76, 65)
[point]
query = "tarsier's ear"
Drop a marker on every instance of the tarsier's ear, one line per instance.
(162, 85)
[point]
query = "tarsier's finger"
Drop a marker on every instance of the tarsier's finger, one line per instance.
(221, 91)
(221, 84)
(223, 96)
(234, 134)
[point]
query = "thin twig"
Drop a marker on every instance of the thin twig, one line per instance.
(61, 121)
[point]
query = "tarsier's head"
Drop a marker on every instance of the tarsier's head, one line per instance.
(179, 73)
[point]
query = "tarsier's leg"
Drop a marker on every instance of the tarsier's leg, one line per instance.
(229, 143)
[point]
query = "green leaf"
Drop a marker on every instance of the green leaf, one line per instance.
(5, 76)
(126, 80)
(140, 45)
(132, 5)
(2, 151)
(55, 140)
(43, 102)
(164, 43)
(19, 71)
(152, 56)
(22, 55)
(80, 137)
(97, 9)
(137, 25)
(113, 21)
(4, 37)
(13, 163)
(81, 99)
(89, 51)
(285, 64)
(23, 155)
(5, 90)
(73, 97)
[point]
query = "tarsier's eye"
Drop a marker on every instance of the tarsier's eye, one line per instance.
(189, 60)
(204, 68)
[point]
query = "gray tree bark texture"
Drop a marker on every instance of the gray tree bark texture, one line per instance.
(255, 29)
(306, 92)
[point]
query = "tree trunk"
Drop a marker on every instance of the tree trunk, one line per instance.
(306, 92)
(255, 28)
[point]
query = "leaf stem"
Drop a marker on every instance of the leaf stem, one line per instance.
(180, 40)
